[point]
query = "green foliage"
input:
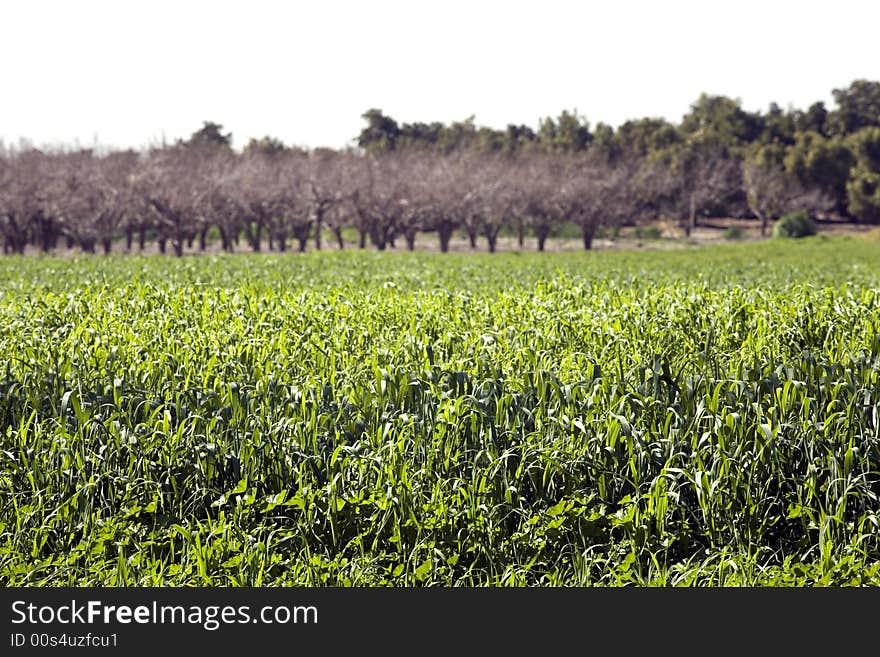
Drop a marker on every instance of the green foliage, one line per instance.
(858, 106)
(766, 156)
(822, 162)
(460, 135)
(266, 146)
(644, 137)
(210, 135)
(866, 146)
(814, 119)
(570, 133)
(355, 418)
(723, 118)
(381, 133)
(794, 224)
(733, 233)
(863, 187)
(779, 127)
(864, 195)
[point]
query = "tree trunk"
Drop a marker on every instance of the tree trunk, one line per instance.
(107, 243)
(258, 240)
(521, 234)
(319, 222)
(177, 244)
(472, 236)
(302, 243)
(542, 232)
(445, 234)
(142, 238)
(338, 233)
(379, 237)
(129, 239)
(588, 232)
(362, 241)
(162, 243)
(492, 239)
(203, 239)
(692, 217)
(253, 235)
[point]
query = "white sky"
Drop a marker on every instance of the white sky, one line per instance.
(127, 72)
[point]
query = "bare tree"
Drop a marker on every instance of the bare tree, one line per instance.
(13, 222)
(441, 197)
(484, 193)
(542, 179)
(500, 198)
(376, 200)
(25, 213)
(342, 183)
(172, 183)
(606, 196)
(256, 176)
(296, 205)
(221, 206)
(90, 195)
(325, 177)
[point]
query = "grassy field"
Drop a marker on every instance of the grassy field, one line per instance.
(705, 416)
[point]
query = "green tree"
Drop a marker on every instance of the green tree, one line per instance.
(265, 146)
(643, 137)
(814, 119)
(210, 135)
(569, 133)
(458, 135)
(863, 187)
(779, 126)
(381, 133)
(517, 137)
(604, 143)
(420, 135)
(822, 162)
(723, 118)
(858, 106)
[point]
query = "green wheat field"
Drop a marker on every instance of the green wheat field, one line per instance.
(704, 417)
